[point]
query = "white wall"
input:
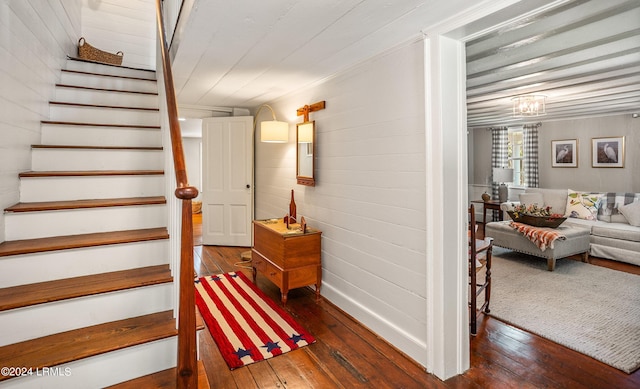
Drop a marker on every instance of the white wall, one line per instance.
(35, 37)
(122, 25)
(584, 177)
(369, 198)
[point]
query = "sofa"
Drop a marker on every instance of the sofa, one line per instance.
(612, 218)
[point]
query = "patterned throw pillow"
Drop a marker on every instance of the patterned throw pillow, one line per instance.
(611, 202)
(583, 205)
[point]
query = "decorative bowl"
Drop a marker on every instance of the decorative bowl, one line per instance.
(537, 221)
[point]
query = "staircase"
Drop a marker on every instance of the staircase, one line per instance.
(87, 294)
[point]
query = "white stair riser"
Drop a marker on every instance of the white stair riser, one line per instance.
(53, 265)
(59, 134)
(27, 323)
(101, 159)
(104, 82)
(99, 115)
(120, 99)
(106, 369)
(31, 225)
(94, 187)
(106, 69)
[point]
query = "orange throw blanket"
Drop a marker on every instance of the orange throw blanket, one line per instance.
(541, 237)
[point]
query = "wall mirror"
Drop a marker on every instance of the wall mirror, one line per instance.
(305, 150)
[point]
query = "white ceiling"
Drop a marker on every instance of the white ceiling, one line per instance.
(243, 53)
(583, 55)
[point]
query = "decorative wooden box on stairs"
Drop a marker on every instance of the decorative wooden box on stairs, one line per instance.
(87, 290)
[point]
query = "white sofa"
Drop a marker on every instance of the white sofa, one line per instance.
(611, 235)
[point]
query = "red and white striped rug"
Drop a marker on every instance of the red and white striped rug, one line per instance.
(246, 325)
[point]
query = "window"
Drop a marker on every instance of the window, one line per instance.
(515, 155)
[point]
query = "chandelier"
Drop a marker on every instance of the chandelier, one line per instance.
(529, 105)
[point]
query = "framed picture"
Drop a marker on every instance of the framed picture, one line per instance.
(607, 152)
(564, 153)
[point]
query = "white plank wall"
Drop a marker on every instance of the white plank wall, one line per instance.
(122, 25)
(35, 37)
(369, 199)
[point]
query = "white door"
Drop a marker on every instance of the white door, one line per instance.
(227, 181)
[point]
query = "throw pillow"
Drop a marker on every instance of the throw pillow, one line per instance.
(532, 198)
(608, 210)
(632, 213)
(583, 205)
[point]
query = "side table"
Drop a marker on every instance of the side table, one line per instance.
(286, 256)
(491, 204)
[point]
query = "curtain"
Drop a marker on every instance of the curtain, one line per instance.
(499, 154)
(530, 138)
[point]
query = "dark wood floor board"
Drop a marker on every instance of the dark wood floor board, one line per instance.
(310, 373)
(563, 366)
(354, 353)
(390, 353)
(218, 373)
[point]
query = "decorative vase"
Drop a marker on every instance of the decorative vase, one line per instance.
(292, 208)
(486, 197)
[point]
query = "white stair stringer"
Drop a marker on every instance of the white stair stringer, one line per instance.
(42, 224)
(35, 189)
(59, 264)
(105, 369)
(27, 322)
(80, 135)
(64, 159)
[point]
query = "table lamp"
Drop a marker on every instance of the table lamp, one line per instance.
(502, 175)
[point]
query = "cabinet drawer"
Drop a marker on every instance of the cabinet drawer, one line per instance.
(258, 262)
(273, 274)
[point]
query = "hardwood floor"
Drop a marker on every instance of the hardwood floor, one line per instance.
(347, 355)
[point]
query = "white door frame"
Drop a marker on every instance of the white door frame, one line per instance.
(447, 177)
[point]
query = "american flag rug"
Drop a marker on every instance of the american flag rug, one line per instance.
(246, 325)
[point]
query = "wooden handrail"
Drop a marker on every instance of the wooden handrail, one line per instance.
(187, 369)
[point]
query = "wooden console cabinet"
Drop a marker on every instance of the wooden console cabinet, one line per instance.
(287, 257)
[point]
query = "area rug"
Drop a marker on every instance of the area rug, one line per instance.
(587, 308)
(246, 325)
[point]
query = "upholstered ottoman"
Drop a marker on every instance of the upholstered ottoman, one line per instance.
(576, 242)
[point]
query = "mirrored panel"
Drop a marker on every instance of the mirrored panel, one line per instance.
(305, 150)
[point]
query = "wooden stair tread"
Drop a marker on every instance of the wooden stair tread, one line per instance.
(105, 89)
(109, 64)
(65, 103)
(99, 124)
(85, 342)
(107, 75)
(30, 246)
(78, 204)
(68, 288)
(165, 379)
(86, 173)
(145, 148)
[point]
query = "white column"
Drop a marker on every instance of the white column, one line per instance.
(447, 199)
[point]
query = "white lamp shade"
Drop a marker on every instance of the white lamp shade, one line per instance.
(274, 131)
(305, 132)
(502, 175)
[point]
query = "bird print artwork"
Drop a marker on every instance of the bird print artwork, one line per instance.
(562, 153)
(610, 153)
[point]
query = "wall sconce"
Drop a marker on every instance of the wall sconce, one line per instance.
(272, 131)
(529, 105)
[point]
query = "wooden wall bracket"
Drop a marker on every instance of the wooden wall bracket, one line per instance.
(310, 108)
